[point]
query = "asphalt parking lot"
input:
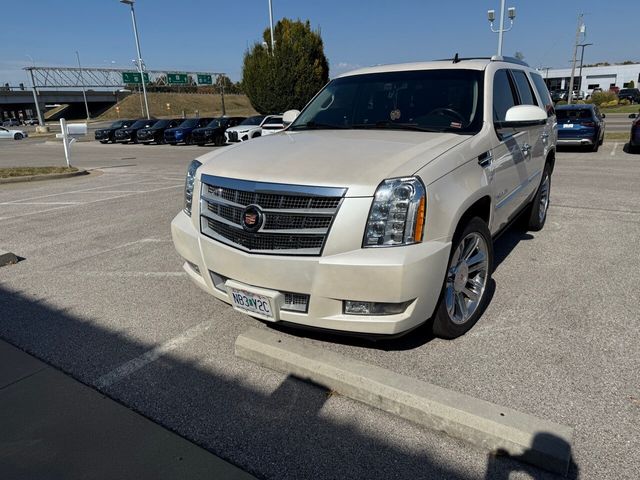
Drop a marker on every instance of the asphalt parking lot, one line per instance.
(101, 287)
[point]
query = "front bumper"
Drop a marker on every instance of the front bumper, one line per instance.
(391, 275)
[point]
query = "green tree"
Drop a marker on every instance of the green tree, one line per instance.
(276, 81)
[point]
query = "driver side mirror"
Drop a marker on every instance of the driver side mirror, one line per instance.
(523, 116)
(289, 117)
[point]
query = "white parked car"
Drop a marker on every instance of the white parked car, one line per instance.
(252, 127)
(375, 210)
(6, 133)
(273, 125)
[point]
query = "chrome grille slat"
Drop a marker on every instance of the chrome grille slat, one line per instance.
(297, 219)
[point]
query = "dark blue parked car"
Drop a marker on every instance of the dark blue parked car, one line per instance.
(182, 133)
(580, 125)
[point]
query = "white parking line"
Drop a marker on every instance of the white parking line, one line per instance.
(41, 203)
(133, 274)
(615, 146)
(132, 366)
(82, 203)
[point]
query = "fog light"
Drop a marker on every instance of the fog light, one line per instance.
(352, 307)
(193, 267)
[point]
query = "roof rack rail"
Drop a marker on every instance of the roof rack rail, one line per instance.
(498, 58)
(495, 58)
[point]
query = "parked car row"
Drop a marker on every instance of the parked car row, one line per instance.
(16, 122)
(198, 131)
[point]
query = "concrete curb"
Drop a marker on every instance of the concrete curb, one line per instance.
(37, 178)
(7, 258)
(502, 430)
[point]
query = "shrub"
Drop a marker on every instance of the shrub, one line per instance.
(561, 102)
(604, 97)
(625, 101)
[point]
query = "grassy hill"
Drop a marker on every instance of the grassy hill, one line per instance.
(207, 105)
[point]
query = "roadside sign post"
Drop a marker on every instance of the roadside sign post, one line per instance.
(69, 135)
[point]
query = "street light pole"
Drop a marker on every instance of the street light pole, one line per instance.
(140, 62)
(579, 30)
(271, 26)
(582, 46)
(492, 16)
(35, 93)
(84, 94)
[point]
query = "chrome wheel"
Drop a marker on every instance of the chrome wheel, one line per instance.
(544, 199)
(466, 278)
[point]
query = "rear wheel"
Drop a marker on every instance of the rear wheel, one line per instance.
(464, 294)
(537, 211)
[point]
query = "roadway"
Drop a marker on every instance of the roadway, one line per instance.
(101, 294)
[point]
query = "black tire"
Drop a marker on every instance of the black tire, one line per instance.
(218, 141)
(534, 217)
(444, 326)
(596, 145)
(173, 143)
(18, 136)
(104, 142)
(201, 144)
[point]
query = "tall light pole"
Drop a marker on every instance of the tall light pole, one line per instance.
(140, 62)
(579, 30)
(84, 94)
(491, 15)
(271, 26)
(582, 46)
(35, 94)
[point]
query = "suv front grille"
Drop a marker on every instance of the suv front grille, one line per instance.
(296, 219)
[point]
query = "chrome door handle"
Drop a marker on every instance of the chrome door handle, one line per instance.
(544, 136)
(526, 148)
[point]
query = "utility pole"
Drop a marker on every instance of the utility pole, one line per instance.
(84, 94)
(579, 30)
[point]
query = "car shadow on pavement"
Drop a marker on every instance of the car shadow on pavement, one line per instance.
(292, 430)
(506, 243)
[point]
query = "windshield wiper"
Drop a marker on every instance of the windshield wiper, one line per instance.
(311, 125)
(396, 126)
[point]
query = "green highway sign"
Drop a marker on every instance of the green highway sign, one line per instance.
(179, 78)
(205, 80)
(133, 77)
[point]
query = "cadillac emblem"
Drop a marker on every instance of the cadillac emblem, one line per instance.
(252, 218)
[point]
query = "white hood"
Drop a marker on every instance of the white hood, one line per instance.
(356, 159)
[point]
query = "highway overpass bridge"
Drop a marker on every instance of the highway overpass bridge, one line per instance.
(20, 103)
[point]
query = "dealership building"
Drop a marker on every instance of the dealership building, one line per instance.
(593, 77)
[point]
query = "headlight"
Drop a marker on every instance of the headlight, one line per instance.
(397, 214)
(188, 185)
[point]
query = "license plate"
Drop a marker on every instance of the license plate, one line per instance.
(568, 125)
(252, 302)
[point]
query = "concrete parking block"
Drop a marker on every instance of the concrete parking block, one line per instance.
(499, 429)
(7, 258)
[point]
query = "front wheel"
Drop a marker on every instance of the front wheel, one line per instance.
(18, 136)
(464, 294)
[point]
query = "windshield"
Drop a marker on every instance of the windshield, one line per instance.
(256, 120)
(215, 123)
(143, 123)
(161, 123)
(426, 100)
(190, 123)
(118, 124)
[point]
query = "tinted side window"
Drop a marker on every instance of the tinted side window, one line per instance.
(524, 88)
(543, 92)
(503, 98)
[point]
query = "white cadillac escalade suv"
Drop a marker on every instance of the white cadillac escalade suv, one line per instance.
(375, 210)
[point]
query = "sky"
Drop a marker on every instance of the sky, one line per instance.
(212, 35)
